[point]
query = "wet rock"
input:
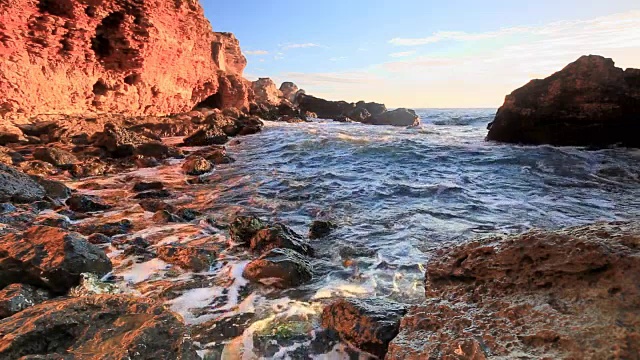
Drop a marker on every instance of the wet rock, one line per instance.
(372, 108)
(590, 102)
(325, 109)
(359, 114)
(10, 157)
(398, 117)
(146, 186)
(89, 169)
(154, 205)
(197, 165)
(289, 91)
(157, 150)
(188, 214)
(49, 257)
(222, 329)
(17, 297)
(54, 189)
(98, 239)
(248, 125)
(38, 168)
(369, 324)
(342, 119)
(7, 208)
(291, 119)
(10, 134)
(61, 222)
(196, 258)
(85, 327)
(206, 137)
(86, 203)
(119, 142)
(243, 228)
(153, 194)
(164, 217)
(17, 186)
(121, 227)
(55, 156)
(567, 294)
(90, 284)
(143, 162)
(320, 229)
(279, 236)
(281, 268)
(217, 156)
(39, 128)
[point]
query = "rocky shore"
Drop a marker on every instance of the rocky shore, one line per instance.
(86, 219)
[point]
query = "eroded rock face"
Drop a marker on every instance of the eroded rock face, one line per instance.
(127, 57)
(49, 257)
(569, 294)
(369, 324)
(89, 327)
(588, 103)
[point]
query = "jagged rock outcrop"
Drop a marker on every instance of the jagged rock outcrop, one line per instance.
(588, 103)
(289, 91)
(325, 109)
(568, 294)
(265, 92)
(129, 57)
(96, 327)
(397, 117)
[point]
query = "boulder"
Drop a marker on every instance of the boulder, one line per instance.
(118, 141)
(281, 268)
(373, 108)
(146, 186)
(289, 91)
(243, 228)
(86, 203)
(54, 189)
(157, 150)
(590, 102)
(196, 258)
(320, 229)
(359, 114)
(397, 117)
(10, 134)
(17, 186)
(206, 137)
(368, 324)
(17, 297)
(197, 165)
(109, 228)
(325, 109)
(124, 327)
(49, 257)
(566, 294)
(153, 194)
(279, 236)
(154, 205)
(266, 92)
(55, 156)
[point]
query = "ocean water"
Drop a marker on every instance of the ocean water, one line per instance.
(396, 194)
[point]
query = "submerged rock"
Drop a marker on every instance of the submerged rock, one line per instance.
(282, 268)
(17, 186)
(369, 324)
(17, 297)
(90, 327)
(320, 229)
(397, 117)
(588, 103)
(243, 228)
(568, 294)
(279, 236)
(49, 257)
(197, 165)
(86, 203)
(196, 258)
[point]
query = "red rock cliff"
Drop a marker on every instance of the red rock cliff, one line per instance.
(115, 56)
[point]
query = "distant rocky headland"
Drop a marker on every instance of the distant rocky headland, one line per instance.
(92, 90)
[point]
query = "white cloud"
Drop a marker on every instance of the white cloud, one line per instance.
(256, 52)
(354, 77)
(402, 54)
(299, 46)
(338, 58)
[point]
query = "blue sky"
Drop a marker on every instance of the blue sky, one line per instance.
(424, 53)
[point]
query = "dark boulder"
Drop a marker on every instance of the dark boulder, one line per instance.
(153, 205)
(206, 137)
(196, 258)
(17, 186)
(588, 103)
(197, 165)
(373, 108)
(157, 150)
(49, 257)
(153, 194)
(325, 109)
(359, 114)
(320, 229)
(369, 324)
(55, 156)
(111, 228)
(146, 186)
(118, 141)
(397, 117)
(243, 228)
(279, 236)
(281, 268)
(96, 327)
(86, 203)
(17, 297)
(54, 189)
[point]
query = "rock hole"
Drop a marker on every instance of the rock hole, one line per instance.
(614, 290)
(101, 44)
(132, 79)
(62, 8)
(100, 88)
(90, 11)
(212, 102)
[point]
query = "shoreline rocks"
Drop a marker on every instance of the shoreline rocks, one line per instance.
(588, 103)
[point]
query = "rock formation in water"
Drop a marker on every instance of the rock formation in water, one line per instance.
(568, 294)
(589, 103)
(129, 57)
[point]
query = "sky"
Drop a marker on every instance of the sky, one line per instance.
(423, 53)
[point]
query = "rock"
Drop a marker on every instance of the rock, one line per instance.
(107, 58)
(98, 239)
(54, 189)
(89, 169)
(196, 258)
(289, 91)
(38, 168)
(157, 150)
(108, 228)
(119, 142)
(249, 125)
(266, 92)
(86, 203)
(398, 117)
(143, 162)
(5, 156)
(17, 186)
(343, 119)
(359, 114)
(369, 324)
(164, 217)
(153, 194)
(325, 109)
(188, 214)
(373, 108)
(196, 165)
(154, 205)
(17, 297)
(207, 137)
(49, 257)
(291, 119)
(320, 229)
(279, 236)
(91, 284)
(146, 186)
(588, 103)
(55, 156)
(567, 294)
(9, 134)
(217, 156)
(125, 327)
(243, 228)
(281, 268)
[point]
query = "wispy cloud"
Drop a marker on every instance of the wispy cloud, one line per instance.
(329, 78)
(256, 52)
(402, 54)
(338, 58)
(299, 46)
